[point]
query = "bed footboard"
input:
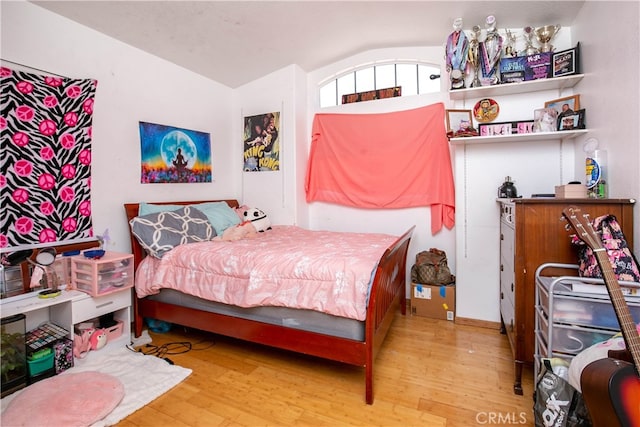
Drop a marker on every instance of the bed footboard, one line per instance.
(387, 292)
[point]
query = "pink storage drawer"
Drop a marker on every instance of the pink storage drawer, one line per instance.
(111, 273)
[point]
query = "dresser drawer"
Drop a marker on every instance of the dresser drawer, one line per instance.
(90, 307)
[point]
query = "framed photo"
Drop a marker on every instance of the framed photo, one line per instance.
(524, 127)
(565, 63)
(545, 120)
(458, 120)
(566, 106)
(572, 121)
(495, 129)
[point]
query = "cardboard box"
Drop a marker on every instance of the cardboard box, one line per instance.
(436, 302)
(571, 191)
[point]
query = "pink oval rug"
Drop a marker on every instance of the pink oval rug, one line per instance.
(65, 400)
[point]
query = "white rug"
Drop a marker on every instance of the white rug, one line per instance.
(145, 378)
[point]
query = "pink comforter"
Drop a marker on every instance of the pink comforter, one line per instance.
(286, 266)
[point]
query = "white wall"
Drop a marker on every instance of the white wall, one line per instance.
(609, 33)
(133, 86)
(602, 28)
(535, 167)
(393, 221)
(274, 192)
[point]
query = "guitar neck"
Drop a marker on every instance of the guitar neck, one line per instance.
(627, 325)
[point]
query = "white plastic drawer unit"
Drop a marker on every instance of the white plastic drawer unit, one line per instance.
(570, 339)
(582, 308)
(573, 313)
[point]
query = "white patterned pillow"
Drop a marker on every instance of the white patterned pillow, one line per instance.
(160, 232)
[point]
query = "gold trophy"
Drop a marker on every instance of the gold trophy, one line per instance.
(473, 55)
(529, 49)
(544, 36)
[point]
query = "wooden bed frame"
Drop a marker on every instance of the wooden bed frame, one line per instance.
(388, 293)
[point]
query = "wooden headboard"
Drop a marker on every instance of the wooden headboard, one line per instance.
(132, 210)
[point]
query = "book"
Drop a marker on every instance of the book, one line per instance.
(592, 288)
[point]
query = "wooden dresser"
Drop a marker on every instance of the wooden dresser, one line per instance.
(532, 233)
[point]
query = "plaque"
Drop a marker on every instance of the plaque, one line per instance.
(538, 66)
(565, 63)
(512, 70)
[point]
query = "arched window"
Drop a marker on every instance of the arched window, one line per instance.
(413, 78)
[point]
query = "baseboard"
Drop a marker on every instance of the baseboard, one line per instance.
(466, 321)
(476, 322)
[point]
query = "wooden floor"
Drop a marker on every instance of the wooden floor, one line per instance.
(428, 373)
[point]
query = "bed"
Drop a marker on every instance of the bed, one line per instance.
(308, 331)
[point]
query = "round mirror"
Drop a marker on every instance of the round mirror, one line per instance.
(46, 256)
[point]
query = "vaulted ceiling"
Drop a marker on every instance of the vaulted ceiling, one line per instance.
(235, 42)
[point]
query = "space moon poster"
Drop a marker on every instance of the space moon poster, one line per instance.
(174, 155)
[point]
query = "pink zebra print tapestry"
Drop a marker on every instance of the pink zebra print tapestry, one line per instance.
(45, 159)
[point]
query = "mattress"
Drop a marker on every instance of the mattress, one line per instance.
(287, 266)
(306, 320)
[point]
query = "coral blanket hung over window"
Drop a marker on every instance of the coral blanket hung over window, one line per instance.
(45, 159)
(383, 161)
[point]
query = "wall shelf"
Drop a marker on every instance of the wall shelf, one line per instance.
(519, 137)
(558, 83)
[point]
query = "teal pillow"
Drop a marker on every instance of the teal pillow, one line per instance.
(146, 208)
(220, 214)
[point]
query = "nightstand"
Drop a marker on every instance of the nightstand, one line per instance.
(106, 283)
(86, 307)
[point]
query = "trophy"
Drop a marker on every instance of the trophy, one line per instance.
(544, 35)
(490, 51)
(457, 55)
(473, 55)
(509, 48)
(529, 49)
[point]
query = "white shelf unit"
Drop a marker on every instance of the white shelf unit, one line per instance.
(557, 83)
(70, 308)
(519, 137)
(567, 322)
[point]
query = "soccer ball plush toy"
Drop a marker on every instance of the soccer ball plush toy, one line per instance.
(258, 218)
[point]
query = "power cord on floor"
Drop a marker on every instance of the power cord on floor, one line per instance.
(166, 349)
(171, 348)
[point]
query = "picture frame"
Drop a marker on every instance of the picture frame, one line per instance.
(564, 106)
(496, 129)
(566, 62)
(525, 126)
(458, 120)
(572, 121)
(186, 159)
(545, 120)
